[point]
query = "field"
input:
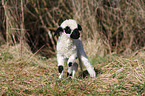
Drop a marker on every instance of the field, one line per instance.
(113, 35)
(25, 73)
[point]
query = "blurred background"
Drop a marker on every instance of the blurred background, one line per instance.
(109, 26)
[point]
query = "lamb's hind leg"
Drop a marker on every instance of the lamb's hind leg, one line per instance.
(84, 59)
(88, 66)
(72, 70)
(71, 62)
(80, 63)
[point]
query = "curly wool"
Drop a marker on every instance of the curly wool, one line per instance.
(69, 22)
(71, 48)
(66, 46)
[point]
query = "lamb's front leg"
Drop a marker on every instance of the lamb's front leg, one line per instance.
(60, 61)
(70, 63)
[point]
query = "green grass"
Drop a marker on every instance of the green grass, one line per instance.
(28, 74)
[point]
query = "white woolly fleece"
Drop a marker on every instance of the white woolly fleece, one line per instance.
(72, 48)
(69, 22)
(66, 46)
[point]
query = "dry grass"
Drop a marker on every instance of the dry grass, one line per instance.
(30, 74)
(117, 24)
(94, 47)
(108, 27)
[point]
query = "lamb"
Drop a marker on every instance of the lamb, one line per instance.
(69, 47)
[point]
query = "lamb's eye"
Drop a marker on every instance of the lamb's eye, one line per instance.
(67, 30)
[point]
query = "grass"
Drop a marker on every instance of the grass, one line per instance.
(24, 73)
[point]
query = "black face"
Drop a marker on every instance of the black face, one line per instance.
(75, 33)
(67, 30)
(58, 31)
(79, 27)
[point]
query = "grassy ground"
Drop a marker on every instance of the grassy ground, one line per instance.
(24, 73)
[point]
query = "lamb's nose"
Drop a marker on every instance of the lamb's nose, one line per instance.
(75, 34)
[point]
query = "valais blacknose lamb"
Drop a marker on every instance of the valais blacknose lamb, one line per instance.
(69, 47)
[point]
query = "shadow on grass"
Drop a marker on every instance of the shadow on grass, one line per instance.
(85, 73)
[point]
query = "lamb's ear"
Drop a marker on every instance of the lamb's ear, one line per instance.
(79, 27)
(59, 29)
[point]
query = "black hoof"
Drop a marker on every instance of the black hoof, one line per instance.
(60, 68)
(70, 64)
(69, 75)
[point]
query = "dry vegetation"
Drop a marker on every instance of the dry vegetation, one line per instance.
(108, 25)
(113, 36)
(36, 75)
